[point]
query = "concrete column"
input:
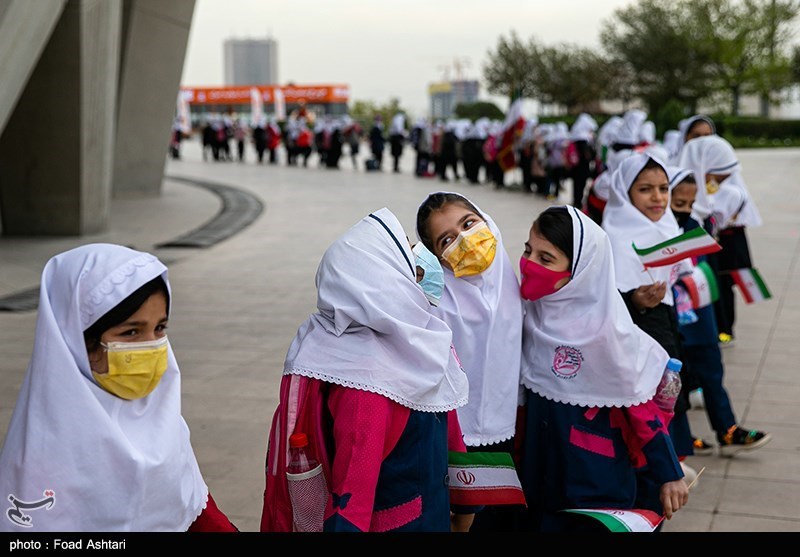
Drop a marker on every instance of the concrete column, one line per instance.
(153, 50)
(56, 149)
(25, 27)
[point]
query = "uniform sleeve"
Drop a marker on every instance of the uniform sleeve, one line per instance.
(366, 426)
(649, 428)
(212, 519)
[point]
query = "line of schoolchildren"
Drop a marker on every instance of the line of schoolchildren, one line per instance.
(418, 349)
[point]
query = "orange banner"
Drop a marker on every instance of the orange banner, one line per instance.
(241, 94)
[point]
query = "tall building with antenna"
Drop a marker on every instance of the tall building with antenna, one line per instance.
(250, 61)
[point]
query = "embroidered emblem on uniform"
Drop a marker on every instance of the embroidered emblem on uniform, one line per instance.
(566, 362)
(16, 515)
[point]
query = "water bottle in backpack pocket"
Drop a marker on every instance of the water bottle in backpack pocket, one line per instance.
(308, 489)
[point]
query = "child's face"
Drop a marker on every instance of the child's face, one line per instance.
(650, 193)
(699, 129)
(446, 223)
(683, 196)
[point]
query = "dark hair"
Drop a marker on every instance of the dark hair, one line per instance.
(435, 202)
(555, 225)
(122, 311)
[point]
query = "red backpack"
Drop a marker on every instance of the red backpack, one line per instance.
(301, 408)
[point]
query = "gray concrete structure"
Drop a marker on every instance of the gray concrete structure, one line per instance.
(71, 86)
(250, 61)
(237, 306)
(154, 38)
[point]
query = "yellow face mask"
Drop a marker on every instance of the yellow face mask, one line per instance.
(712, 186)
(472, 252)
(134, 368)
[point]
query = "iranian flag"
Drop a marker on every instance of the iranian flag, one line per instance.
(701, 285)
(512, 128)
(623, 520)
(751, 285)
(483, 479)
(694, 243)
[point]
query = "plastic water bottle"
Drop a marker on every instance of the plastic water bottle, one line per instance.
(670, 386)
(300, 460)
(308, 490)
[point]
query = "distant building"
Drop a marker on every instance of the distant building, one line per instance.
(446, 95)
(250, 61)
(239, 101)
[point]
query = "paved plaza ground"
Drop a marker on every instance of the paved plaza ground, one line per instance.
(237, 305)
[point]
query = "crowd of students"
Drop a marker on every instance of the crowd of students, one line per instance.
(422, 347)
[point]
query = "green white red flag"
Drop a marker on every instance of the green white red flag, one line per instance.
(701, 285)
(483, 478)
(623, 520)
(751, 285)
(693, 243)
(513, 126)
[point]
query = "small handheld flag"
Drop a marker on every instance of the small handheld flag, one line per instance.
(751, 285)
(701, 285)
(623, 520)
(693, 243)
(483, 478)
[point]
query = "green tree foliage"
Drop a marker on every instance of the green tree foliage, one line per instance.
(364, 112)
(572, 76)
(693, 50)
(652, 41)
(510, 69)
(480, 109)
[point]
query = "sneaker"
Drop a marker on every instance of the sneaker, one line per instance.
(689, 473)
(740, 439)
(701, 447)
(696, 399)
(725, 340)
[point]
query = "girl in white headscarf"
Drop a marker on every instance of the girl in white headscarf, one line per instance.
(590, 375)
(391, 381)
(482, 306)
(638, 211)
(97, 441)
(693, 127)
(722, 196)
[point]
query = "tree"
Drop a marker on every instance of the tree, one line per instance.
(652, 42)
(572, 76)
(480, 109)
(364, 112)
(510, 69)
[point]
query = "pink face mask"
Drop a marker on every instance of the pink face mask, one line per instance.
(538, 281)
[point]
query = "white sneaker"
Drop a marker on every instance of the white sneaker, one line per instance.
(689, 473)
(696, 400)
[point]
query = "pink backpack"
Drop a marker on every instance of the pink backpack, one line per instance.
(301, 408)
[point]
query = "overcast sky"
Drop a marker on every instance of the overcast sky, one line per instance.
(381, 48)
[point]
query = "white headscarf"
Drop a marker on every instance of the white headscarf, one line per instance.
(111, 464)
(625, 224)
(672, 143)
(484, 312)
(686, 123)
(607, 134)
(580, 345)
(602, 185)
(583, 129)
(629, 132)
(373, 329)
(713, 154)
(398, 125)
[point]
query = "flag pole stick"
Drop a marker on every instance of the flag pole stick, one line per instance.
(697, 477)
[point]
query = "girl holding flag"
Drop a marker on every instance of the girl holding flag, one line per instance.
(723, 196)
(590, 375)
(638, 211)
(700, 339)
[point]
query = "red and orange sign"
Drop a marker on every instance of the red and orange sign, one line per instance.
(240, 94)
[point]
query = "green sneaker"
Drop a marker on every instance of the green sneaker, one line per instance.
(740, 439)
